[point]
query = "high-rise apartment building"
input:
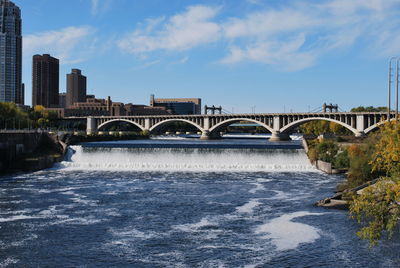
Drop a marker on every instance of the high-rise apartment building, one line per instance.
(76, 87)
(45, 81)
(10, 53)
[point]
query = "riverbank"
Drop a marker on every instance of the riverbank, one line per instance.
(31, 151)
(345, 156)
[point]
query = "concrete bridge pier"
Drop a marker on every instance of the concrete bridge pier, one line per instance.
(207, 135)
(277, 136)
(360, 134)
(91, 127)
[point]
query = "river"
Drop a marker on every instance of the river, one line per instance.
(180, 203)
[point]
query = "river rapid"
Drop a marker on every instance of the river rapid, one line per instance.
(180, 203)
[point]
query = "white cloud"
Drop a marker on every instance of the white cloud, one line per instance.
(283, 54)
(264, 24)
(180, 32)
(70, 45)
(289, 37)
(293, 38)
(346, 7)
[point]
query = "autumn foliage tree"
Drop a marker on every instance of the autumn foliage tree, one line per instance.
(387, 154)
(12, 116)
(322, 127)
(377, 208)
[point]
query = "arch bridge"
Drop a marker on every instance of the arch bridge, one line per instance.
(280, 125)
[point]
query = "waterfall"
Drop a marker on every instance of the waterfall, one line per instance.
(187, 159)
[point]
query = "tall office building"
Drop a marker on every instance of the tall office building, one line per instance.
(45, 81)
(76, 87)
(11, 89)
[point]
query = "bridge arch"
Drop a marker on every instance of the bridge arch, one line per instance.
(167, 121)
(377, 125)
(228, 122)
(297, 123)
(119, 120)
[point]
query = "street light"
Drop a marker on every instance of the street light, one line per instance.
(390, 84)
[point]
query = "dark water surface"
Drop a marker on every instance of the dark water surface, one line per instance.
(119, 207)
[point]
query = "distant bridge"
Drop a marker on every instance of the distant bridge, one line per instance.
(280, 125)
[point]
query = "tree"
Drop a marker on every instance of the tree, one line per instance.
(342, 160)
(39, 108)
(315, 127)
(11, 114)
(42, 122)
(387, 155)
(327, 151)
(360, 168)
(368, 109)
(377, 208)
(322, 127)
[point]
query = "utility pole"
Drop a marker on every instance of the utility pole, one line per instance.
(390, 85)
(397, 88)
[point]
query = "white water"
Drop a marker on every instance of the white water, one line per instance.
(187, 160)
(286, 234)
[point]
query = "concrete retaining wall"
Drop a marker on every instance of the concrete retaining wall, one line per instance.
(305, 144)
(324, 166)
(16, 146)
(321, 165)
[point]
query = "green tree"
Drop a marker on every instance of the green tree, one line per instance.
(42, 122)
(342, 160)
(11, 115)
(327, 151)
(368, 109)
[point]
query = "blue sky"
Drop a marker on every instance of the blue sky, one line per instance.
(274, 55)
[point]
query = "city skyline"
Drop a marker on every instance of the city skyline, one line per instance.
(252, 55)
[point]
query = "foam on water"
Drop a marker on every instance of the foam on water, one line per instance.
(193, 227)
(18, 218)
(259, 187)
(286, 234)
(128, 234)
(8, 261)
(248, 207)
(187, 160)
